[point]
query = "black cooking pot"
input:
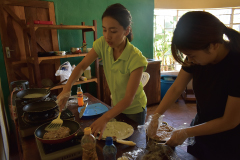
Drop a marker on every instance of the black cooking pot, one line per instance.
(41, 106)
(72, 125)
(44, 93)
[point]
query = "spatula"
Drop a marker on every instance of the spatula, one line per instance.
(83, 110)
(55, 124)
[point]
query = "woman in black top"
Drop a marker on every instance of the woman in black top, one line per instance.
(214, 65)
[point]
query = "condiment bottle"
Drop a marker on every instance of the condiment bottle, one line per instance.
(88, 144)
(109, 150)
(87, 73)
(84, 48)
(80, 96)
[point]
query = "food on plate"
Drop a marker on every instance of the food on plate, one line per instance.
(163, 133)
(34, 95)
(60, 133)
(121, 130)
(122, 158)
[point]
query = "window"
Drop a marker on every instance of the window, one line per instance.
(165, 21)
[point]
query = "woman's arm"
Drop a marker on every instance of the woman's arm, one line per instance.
(77, 72)
(174, 91)
(132, 86)
(170, 97)
(228, 121)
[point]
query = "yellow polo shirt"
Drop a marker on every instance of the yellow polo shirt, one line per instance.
(118, 72)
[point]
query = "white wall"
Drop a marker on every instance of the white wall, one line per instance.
(194, 4)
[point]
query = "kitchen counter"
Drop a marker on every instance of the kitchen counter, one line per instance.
(30, 150)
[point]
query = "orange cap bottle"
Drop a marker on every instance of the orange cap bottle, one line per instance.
(80, 96)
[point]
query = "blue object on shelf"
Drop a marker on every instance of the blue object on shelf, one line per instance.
(166, 82)
(93, 110)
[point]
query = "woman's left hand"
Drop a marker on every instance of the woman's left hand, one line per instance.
(177, 138)
(99, 126)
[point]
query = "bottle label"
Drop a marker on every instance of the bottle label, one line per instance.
(79, 95)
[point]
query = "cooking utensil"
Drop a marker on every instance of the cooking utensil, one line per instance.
(129, 143)
(83, 110)
(72, 125)
(55, 124)
(40, 106)
(45, 93)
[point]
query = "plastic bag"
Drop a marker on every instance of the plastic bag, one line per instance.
(159, 119)
(64, 71)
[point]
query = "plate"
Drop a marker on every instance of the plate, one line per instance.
(93, 110)
(121, 130)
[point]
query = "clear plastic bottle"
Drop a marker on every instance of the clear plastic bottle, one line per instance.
(109, 150)
(88, 144)
(87, 72)
(80, 96)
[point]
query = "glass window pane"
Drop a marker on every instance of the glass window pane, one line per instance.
(225, 19)
(181, 12)
(219, 11)
(236, 18)
(159, 24)
(168, 21)
(236, 27)
(236, 11)
(168, 35)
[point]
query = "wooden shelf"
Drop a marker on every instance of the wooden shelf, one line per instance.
(42, 26)
(40, 59)
(76, 83)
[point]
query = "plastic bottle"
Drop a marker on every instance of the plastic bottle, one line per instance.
(87, 73)
(84, 49)
(109, 150)
(88, 144)
(80, 96)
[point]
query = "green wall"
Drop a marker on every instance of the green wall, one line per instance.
(73, 12)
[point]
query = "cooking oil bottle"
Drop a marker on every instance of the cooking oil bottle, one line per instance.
(88, 144)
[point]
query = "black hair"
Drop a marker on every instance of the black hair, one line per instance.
(196, 30)
(122, 15)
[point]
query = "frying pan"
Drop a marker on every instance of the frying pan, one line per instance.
(40, 106)
(72, 125)
(45, 93)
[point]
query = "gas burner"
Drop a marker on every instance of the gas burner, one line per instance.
(40, 117)
(65, 151)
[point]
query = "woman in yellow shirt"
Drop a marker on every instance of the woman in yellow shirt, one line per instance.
(123, 66)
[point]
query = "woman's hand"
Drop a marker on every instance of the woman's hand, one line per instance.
(177, 138)
(99, 126)
(153, 126)
(62, 99)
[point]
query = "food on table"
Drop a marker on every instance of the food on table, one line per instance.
(121, 130)
(34, 95)
(122, 158)
(163, 133)
(60, 133)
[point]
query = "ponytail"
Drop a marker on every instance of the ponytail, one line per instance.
(130, 35)
(234, 39)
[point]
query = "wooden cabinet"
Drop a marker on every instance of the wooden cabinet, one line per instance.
(152, 88)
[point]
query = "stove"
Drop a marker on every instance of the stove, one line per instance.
(28, 123)
(68, 150)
